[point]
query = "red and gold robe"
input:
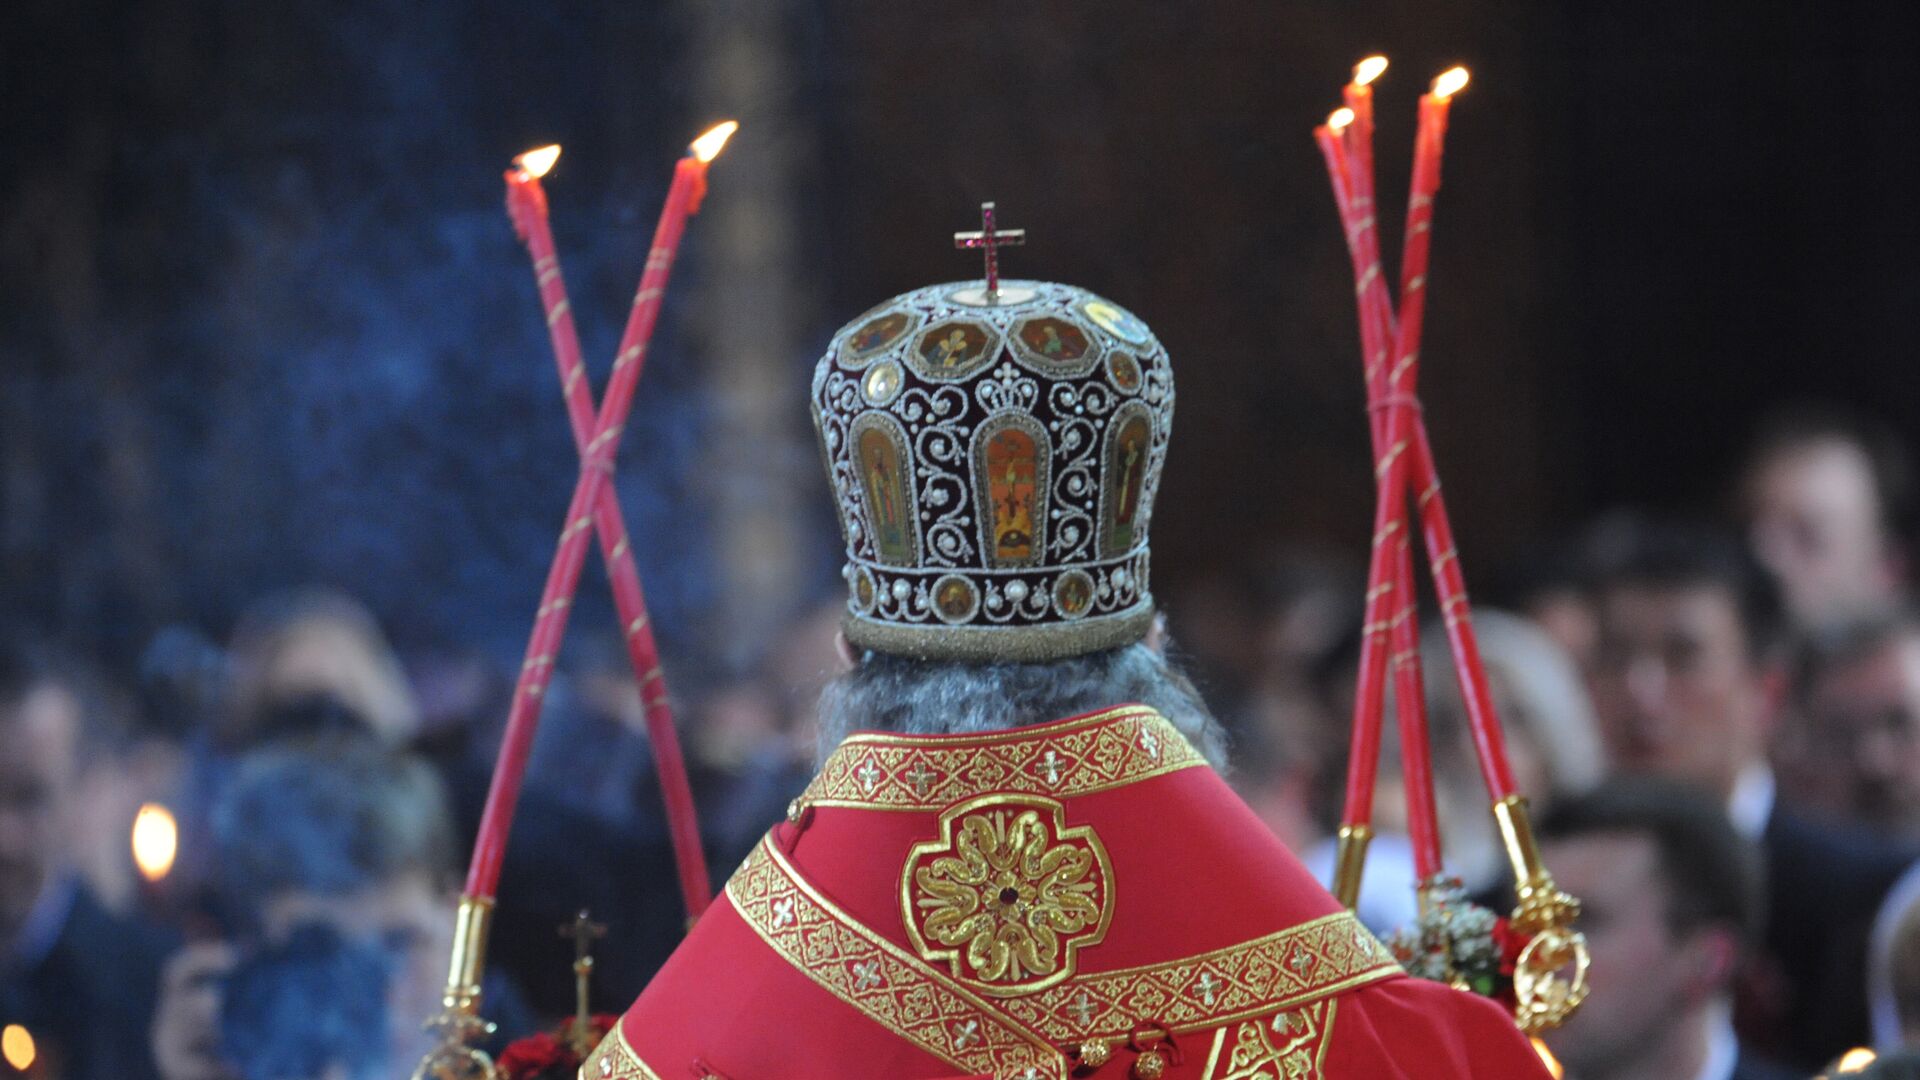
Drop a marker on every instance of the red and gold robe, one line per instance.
(992, 906)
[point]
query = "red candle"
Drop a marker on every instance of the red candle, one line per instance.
(1391, 637)
(550, 619)
(527, 206)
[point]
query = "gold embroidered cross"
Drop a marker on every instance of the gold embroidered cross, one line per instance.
(869, 775)
(1209, 988)
(921, 777)
(1300, 961)
(1052, 765)
(783, 912)
(866, 976)
(1031, 1074)
(1082, 1009)
(1150, 743)
(964, 1034)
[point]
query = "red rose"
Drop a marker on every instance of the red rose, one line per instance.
(1510, 944)
(528, 1058)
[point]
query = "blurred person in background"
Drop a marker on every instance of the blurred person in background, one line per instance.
(186, 1022)
(310, 1007)
(1688, 686)
(1851, 745)
(80, 979)
(347, 834)
(1552, 736)
(1671, 898)
(310, 651)
(1893, 968)
(1824, 497)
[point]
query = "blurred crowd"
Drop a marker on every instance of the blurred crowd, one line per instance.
(239, 861)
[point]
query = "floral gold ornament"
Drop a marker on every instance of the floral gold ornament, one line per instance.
(1008, 894)
(904, 994)
(1290, 1046)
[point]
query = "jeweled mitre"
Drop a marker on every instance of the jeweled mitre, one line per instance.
(994, 458)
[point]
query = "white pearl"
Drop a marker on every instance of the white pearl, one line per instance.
(901, 589)
(1016, 591)
(1120, 579)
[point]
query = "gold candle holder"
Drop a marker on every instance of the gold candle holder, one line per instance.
(1550, 977)
(1350, 859)
(458, 1022)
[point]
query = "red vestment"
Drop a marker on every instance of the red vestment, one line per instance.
(988, 906)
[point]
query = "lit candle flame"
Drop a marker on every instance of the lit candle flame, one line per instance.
(707, 147)
(1368, 70)
(16, 1045)
(1854, 1060)
(538, 163)
(1554, 1069)
(1339, 118)
(1450, 82)
(156, 840)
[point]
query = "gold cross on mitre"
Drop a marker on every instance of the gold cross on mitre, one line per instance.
(584, 932)
(989, 240)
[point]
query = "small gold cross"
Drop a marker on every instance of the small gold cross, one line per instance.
(584, 932)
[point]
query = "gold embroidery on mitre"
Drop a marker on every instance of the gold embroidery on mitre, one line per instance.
(883, 982)
(1288, 969)
(1096, 753)
(614, 1059)
(1008, 894)
(1290, 1046)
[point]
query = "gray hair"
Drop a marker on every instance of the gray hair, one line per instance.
(915, 697)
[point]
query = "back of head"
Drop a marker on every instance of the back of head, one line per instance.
(913, 697)
(1714, 876)
(331, 818)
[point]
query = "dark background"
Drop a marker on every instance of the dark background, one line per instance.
(265, 322)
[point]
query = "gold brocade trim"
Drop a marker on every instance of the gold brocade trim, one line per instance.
(1008, 894)
(1095, 753)
(879, 979)
(614, 1059)
(1290, 969)
(1292, 1046)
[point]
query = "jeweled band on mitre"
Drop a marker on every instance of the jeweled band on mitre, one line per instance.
(994, 467)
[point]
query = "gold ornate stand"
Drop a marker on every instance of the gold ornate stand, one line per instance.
(1550, 977)
(458, 1023)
